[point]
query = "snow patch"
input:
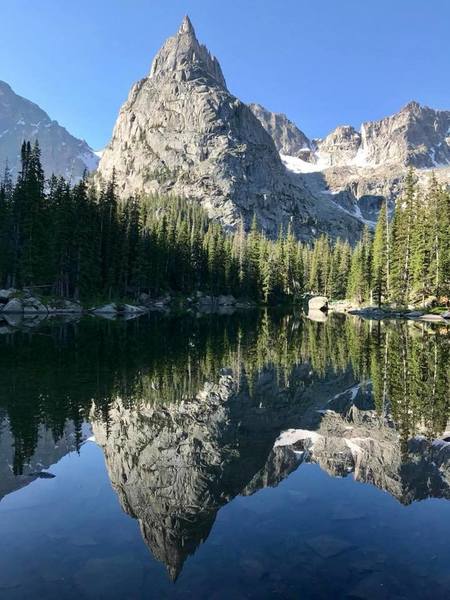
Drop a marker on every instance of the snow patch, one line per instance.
(356, 213)
(297, 165)
(292, 436)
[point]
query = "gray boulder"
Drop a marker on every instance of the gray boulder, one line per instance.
(431, 318)
(317, 315)
(131, 309)
(106, 309)
(14, 306)
(33, 306)
(6, 295)
(318, 303)
(14, 319)
(226, 300)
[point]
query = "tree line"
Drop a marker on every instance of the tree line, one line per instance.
(85, 243)
(75, 372)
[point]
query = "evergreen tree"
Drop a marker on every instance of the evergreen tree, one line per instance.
(380, 257)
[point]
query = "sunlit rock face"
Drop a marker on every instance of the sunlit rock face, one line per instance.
(61, 153)
(352, 438)
(359, 169)
(181, 132)
(174, 466)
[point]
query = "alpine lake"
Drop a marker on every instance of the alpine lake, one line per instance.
(247, 455)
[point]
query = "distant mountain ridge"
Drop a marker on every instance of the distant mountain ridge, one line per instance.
(359, 169)
(62, 153)
(416, 136)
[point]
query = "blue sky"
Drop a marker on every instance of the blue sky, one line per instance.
(323, 62)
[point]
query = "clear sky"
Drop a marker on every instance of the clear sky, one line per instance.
(322, 62)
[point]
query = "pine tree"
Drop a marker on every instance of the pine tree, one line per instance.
(356, 281)
(402, 231)
(380, 257)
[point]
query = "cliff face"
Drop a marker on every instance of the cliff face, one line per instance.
(61, 153)
(181, 132)
(286, 135)
(357, 170)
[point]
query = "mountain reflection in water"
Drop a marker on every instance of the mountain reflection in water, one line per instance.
(191, 413)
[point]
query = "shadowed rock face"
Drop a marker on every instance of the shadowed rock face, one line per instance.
(287, 136)
(175, 466)
(181, 132)
(61, 153)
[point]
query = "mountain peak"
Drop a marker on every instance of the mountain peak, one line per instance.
(186, 26)
(183, 58)
(61, 153)
(412, 106)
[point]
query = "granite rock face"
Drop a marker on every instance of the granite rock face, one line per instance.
(286, 135)
(61, 153)
(340, 147)
(358, 170)
(416, 136)
(181, 132)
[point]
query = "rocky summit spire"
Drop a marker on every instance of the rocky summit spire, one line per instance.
(183, 58)
(181, 133)
(186, 26)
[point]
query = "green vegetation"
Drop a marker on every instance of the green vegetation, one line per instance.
(409, 258)
(65, 372)
(79, 242)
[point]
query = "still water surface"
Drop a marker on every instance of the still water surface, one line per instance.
(242, 456)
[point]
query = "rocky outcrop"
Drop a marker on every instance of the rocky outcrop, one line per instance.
(287, 136)
(416, 136)
(181, 132)
(61, 153)
(318, 303)
(340, 147)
